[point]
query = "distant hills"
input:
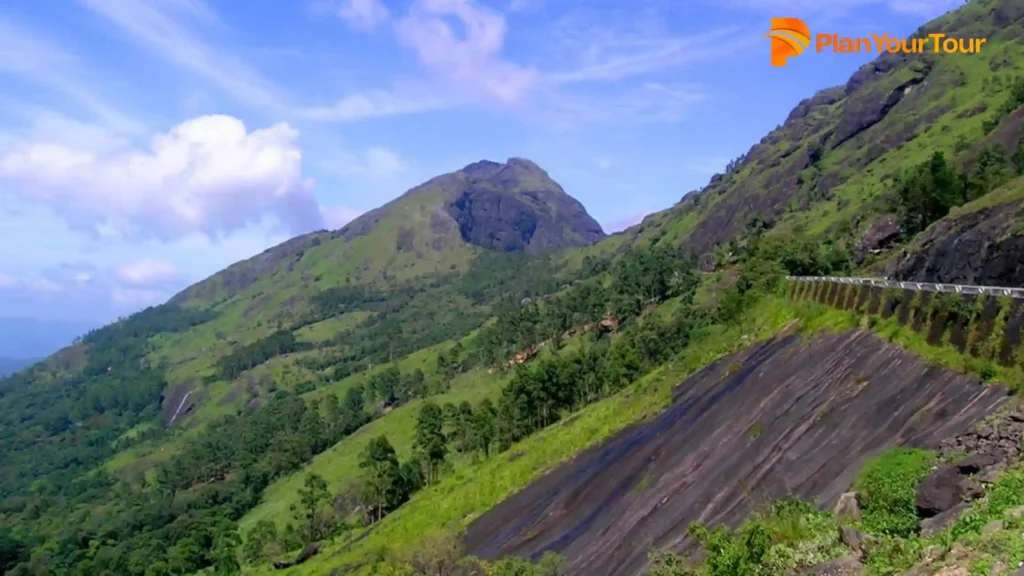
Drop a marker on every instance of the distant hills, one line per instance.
(9, 366)
(299, 358)
(31, 338)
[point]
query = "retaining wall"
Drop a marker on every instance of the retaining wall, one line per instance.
(984, 322)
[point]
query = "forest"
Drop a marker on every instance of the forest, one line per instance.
(184, 518)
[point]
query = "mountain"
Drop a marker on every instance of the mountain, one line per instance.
(440, 353)
(432, 229)
(831, 168)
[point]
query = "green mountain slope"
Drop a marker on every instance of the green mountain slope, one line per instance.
(430, 230)
(133, 398)
(830, 168)
(143, 448)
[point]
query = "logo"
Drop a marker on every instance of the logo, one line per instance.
(790, 37)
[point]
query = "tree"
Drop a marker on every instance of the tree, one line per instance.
(261, 542)
(414, 385)
(430, 441)
(353, 410)
(12, 552)
(314, 512)
(383, 475)
(333, 417)
(385, 385)
(224, 555)
(484, 430)
(992, 169)
(927, 192)
(312, 427)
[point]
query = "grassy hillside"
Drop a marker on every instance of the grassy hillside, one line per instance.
(831, 167)
(153, 440)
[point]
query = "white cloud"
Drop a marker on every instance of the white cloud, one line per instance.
(147, 272)
(375, 162)
(524, 5)
(373, 104)
(131, 299)
(472, 63)
(206, 175)
(383, 163)
(649, 102)
(31, 283)
(40, 284)
(338, 216)
(589, 46)
(43, 62)
(363, 14)
(154, 24)
(82, 278)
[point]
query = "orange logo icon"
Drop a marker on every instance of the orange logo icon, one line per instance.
(790, 37)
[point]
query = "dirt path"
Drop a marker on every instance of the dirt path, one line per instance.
(789, 416)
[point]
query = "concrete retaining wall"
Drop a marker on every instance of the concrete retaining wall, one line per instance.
(985, 325)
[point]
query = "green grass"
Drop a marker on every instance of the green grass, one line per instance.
(816, 316)
(476, 487)
(327, 329)
(339, 465)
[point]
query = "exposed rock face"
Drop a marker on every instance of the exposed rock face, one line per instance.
(311, 549)
(516, 206)
(980, 247)
(822, 405)
(882, 233)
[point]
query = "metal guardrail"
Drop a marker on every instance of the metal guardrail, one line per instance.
(919, 286)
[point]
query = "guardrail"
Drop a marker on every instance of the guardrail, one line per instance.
(919, 286)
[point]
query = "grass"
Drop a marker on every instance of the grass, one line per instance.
(327, 329)
(817, 316)
(476, 487)
(339, 465)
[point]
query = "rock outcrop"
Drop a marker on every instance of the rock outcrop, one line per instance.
(821, 405)
(516, 207)
(982, 247)
(971, 462)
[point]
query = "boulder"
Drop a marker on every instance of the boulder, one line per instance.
(708, 262)
(971, 488)
(990, 529)
(847, 506)
(311, 549)
(939, 491)
(978, 462)
(854, 539)
(881, 235)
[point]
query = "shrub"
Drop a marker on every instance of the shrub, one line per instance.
(887, 488)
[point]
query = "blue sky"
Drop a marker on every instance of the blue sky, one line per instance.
(146, 144)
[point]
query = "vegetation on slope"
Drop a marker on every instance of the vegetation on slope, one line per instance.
(410, 276)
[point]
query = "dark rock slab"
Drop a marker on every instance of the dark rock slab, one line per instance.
(819, 421)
